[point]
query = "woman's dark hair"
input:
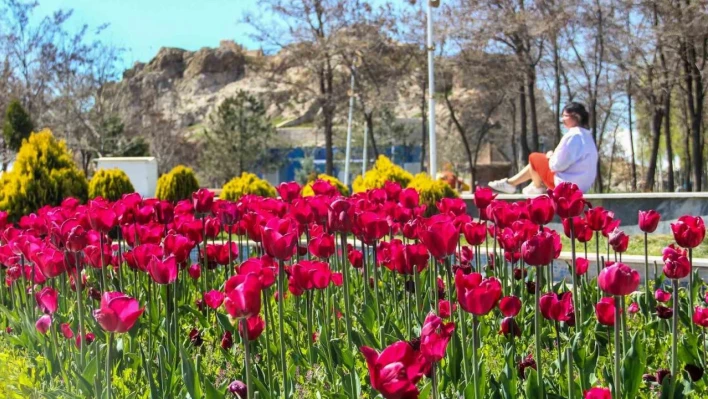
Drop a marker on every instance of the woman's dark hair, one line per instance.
(579, 111)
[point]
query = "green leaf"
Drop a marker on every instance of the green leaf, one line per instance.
(148, 374)
(633, 366)
(225, 323)
(189, 376)
(211, 391)
(532, 388)
(194, 312)
(454, 363)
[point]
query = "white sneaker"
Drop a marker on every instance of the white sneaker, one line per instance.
(532, 190)
(502, 186)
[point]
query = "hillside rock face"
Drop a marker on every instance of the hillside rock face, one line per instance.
(182, 87)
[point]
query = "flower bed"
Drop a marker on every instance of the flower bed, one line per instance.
(377, 300)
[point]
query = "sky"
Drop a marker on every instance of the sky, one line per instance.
(143, 26)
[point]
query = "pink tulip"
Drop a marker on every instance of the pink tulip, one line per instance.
(47, 300)
(118, 312)
(43, 324)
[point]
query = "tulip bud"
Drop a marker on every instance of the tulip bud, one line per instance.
(43, 324)
(239, 389)
(509, 327)
(695, 372)
(94, 294)
(661, 374)
(227, 341)
(196, 337)
(664, 312)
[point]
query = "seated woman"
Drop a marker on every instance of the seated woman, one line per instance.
(574, 159)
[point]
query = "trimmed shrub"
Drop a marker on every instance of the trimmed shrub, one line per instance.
(384, 170)
(247, 183)
(177, 185)
(44, 173)
(308, 192)
(431, 191)
(110, 184)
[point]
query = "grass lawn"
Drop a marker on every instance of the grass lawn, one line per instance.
(657, 242)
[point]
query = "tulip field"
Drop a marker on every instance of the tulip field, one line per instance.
(368, 296)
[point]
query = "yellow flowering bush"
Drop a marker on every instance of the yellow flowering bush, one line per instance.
(247, 183)
(384, 170)
(177, 185)
(110, 184)
(44, 173)
(431, 191)
(308, 192)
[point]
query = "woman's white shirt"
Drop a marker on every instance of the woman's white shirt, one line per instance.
(575, 159)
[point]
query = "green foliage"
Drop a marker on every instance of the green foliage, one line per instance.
(384, 170)
(247, 183)
(20, 378)
(307, 171)
(44, 173)
(18, 125)
(307, 190)
(110, 184)
(177, 185)
(431, 191)
(237, 139)
(115, 143)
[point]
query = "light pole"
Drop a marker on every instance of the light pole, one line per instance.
(364, 155)
(433, 169)
(348, 153)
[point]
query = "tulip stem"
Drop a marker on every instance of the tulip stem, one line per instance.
(310, 353)
(647, 292)
(434, 382)
(463, 325)
(79, 300)
(625, 334)
(690, 287)
(568, 357)
(474, 354)
(674, 335)
(109, 351)
(281, 325)
(597, 262)
(247, 357)
(347, 304)
(558, 344)
(537, 332)
(578, 309)
(376, 299)
(618, 326)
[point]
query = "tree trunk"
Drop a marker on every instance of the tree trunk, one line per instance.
(514, 152)
(695, 94)
(525, 150)
(667, 132)
(656, 118)
(631, 136)
(328, 133)
(369, 117)
(686, 162)
(531, 89)
(463, 135)
(557, 98)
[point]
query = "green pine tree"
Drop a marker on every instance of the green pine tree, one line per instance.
(18, 125)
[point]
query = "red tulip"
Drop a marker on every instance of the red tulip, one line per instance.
(50, 261)
(339, 218)
(598, 393)
(118, 312)
(434, 337)
(664, 312)
(279, 238)
(179, 246)
(439, 235)
(163, 271)
(676, 264)
(202, 200)
(454, 206)
(649, 220)
(289, 191)
(558, 307)
(66, 331)
(102, 219)
(475, 232)
(610, 227)
(43, 324)
(373, 227)
(605, 311)
(263, 267)
(322, 246)
(524, 364)
(501, 213)
(541, 209)
(47, 300)
(214, 299)
(356, 258)
(444, 309)
(227, 340)
(255, 326)
(244, 299)
(700, 316)
(539, 250)
(483, 196)
(619, 241)
(689, 231)
(75, 237)
(409, 198)
(567, 200)
(97, 258)
(581, 266)
(475, 294)
(89, 337)
(226, 253)
(633, 308)
(309, 275)
(618, 279)
(662, 296)
(510, 306)
(509, 326)
(598, 218)
(395, 372)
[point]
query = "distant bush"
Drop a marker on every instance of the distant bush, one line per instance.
(384, 170)
(307, 191)
(247, 183)
(177, 185)
(431, 191)
(110, 184)
(44, 173)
